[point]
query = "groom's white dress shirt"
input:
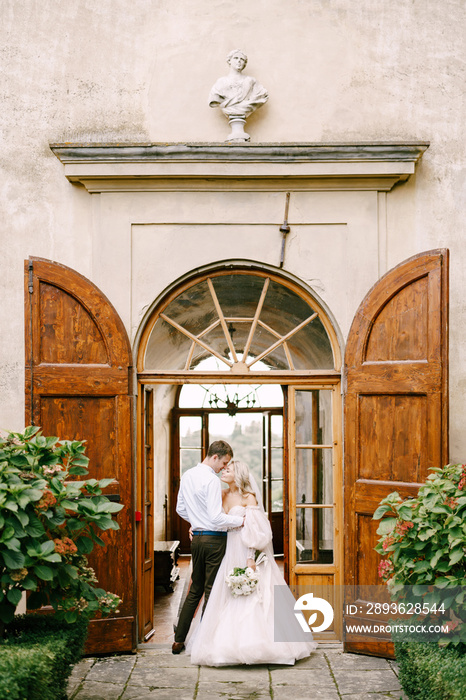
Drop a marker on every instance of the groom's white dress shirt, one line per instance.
(200, 500)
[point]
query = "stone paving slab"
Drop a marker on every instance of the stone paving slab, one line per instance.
(316, 660)
(309, 678)
(115, 669)
(133, 692)
(156, 677)
(376, 696)
(82, 668)
(157, 674)
(95, 690)
(338, 659)
(394, 666)
(353, 681)
(165, 658)
(255, 676)
(79, 672)
(231, 691)
(297, 692)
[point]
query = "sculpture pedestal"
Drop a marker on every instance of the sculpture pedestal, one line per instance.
(237, 129)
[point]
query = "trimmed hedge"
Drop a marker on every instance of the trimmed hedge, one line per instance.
(36, 657)
(428, 671)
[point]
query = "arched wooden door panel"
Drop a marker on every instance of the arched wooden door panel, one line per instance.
(78, 361)
(396, 408)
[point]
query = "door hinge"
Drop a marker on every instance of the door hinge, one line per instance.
(30, 283)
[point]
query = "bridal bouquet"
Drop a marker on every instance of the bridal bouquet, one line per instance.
(244, 581)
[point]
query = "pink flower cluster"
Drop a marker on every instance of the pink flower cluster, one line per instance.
(462, 482)
(385, 568)
(47, 501)
(388, 541)
(50, 471)
(451, 503)
(452, 625)
(65, 546)
(402, 527)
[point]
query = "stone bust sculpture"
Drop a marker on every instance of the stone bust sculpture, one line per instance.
(237, 95)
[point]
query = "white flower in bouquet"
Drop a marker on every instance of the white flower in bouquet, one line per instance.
(245, 581)
(241, 581)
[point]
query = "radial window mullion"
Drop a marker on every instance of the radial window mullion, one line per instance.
(223, 323)
(282, 340)
(209, 328)
(195, 339)
(288, 356)
(190, 355)
(256, 318)
(269, 329)
(239, 319)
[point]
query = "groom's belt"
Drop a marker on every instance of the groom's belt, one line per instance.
(219, 533)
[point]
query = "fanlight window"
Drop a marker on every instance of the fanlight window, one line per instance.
(238, 322)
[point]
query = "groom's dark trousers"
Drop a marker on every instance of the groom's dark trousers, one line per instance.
(207, 552)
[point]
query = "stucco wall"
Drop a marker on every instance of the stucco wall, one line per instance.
(141, 71)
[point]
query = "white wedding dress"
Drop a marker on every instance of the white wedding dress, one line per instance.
(240, 629)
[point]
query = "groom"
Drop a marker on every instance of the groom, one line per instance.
(200, 503)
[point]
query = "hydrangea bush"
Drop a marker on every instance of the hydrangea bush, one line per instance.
(48, 526)
(424, 542)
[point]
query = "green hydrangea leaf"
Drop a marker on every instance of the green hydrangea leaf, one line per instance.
(85, 545)
(45, 573)
(12, 559)
(34, 528)
(386, 526)
(55, 557)
(14, 595)
(456, 555)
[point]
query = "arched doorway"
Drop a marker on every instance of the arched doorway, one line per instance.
(246, 325)
(396, 411)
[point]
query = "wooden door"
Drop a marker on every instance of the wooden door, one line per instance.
(396, 410)
(78, 362)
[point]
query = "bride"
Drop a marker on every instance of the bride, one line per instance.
(240, 629)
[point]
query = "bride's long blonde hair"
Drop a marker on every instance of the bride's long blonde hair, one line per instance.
(242, 477)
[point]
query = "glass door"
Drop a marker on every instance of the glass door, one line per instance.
(256, 437)
(146, 541)
(272, 475)
(190, 447)
(315, 493)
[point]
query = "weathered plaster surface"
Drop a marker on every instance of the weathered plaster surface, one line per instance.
(124, 71)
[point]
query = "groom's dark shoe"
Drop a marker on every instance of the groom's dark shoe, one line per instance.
(177, 647)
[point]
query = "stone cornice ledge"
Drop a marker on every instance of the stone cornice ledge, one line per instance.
(105, 167)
